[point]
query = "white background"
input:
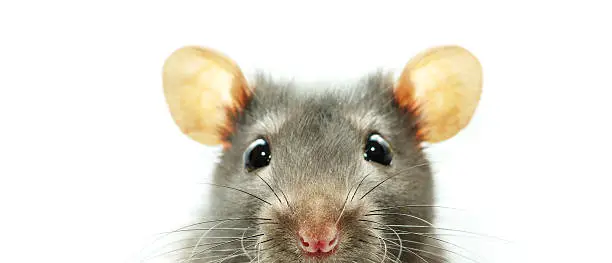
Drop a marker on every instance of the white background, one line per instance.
(91, 164)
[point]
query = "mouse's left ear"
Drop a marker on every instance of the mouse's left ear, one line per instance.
(442, 87)
(203, 89)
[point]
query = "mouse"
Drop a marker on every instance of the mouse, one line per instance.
(319, 175)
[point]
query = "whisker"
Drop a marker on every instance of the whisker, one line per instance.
(229, 249)
(392, 176)
(456, 235)
(385, 246)
(220, 259)
(234, 255)
(446, 259)
(266, 249)
(451, 229)
(199, 229)
(366, 258)
(214, 221)
(380, 245)
(402, 206)
(360, 182)
(441, 228)
(239, 190)
(206, 244)
(170, 244)
(224, 243)
(399, 239)
(202, 237)
(270, 187)
(284, 197)
(220, 237)
(429, 237)
(409, 249)
(258, 251)
(217, 229)
(344, 205)
(242, 243)
(399, 254)
(183, 228)
(206, 257)
(259, 243)
(408, 215)
(268, 223)
(442, 248)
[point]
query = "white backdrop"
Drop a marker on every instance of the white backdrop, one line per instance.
(91, 164)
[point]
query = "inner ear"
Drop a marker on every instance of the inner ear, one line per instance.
(204, 89)
(442, 87)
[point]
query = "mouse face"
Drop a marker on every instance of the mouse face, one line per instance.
(337, 175)
(331, 160)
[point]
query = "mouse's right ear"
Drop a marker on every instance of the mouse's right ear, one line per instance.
(203, 89)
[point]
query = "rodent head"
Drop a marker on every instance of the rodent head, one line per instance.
(326, 176)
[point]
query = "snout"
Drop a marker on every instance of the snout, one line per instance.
(320, 226)
(317, 223)
(318, 241)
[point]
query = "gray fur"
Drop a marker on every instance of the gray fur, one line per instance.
(317, 140)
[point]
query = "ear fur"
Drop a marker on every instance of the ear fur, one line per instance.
(442, 86)
(203, 88)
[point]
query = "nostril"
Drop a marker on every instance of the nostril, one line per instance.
(304, 243)
(333, 241)
(319, 241)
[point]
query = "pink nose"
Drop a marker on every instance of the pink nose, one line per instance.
(320, 242)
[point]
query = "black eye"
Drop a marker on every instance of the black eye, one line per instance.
(377, 150)
(257, 155)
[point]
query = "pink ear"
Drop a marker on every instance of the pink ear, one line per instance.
(203, 89)
(442, 86)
